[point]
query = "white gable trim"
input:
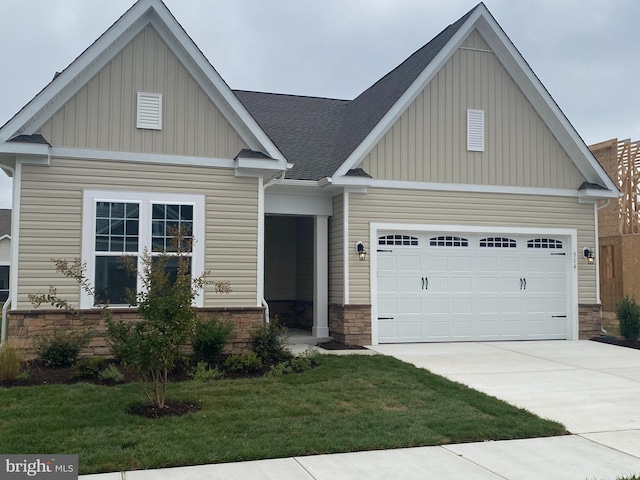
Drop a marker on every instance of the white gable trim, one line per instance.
(524, 77)
(7, 237)
(102, 51)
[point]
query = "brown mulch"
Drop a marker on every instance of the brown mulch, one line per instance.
(333, 345)
(171, 409)
(621, 342)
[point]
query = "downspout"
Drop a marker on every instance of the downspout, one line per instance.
(598, 208)
(271, 182)
(5, 317)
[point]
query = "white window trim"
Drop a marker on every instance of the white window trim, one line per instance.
(152, 102)
(475, 130)
(146, 200)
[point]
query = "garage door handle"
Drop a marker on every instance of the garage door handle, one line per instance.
(422, 283)
(525, 283)
(425, 283)
(521, 284)
(558, 316)
(385, 318)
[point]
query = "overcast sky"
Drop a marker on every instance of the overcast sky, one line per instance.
(584, 51)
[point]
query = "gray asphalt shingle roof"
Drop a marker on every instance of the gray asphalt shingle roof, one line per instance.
(318, 134)
(5, 222)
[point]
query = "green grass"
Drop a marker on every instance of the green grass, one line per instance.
(345, 404)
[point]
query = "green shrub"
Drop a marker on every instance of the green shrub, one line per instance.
(111, 374)
(293, 365)
(269, 342)
(88, 367)
(628, 313)
(10, 361)
(248, 363)
(61, 349)
(203, 373)
(279, 369)
(210, 338)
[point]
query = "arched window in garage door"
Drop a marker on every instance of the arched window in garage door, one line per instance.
(448, 241)
(546, 243)
(398, 240)
(497, 242)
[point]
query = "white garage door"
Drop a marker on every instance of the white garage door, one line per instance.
(468, 287)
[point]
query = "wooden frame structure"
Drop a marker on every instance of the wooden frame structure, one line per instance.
(629, 184)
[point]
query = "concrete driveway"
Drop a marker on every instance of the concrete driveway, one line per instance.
(592, 388)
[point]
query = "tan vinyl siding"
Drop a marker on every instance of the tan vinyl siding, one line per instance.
(51, 220)
(336, 252)
(428, 143)
(102, 115)
(5, 251)
(456, 208)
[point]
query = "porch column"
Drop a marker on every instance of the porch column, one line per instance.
(321, 276)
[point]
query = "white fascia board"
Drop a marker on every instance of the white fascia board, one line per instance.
(258, 163)
(73, 78)
(296, 204)
(591, 195)
(539, 97)
(102, 51)
(115, 156)
(232, 108)
(459, 187)
(298, 187)
(18, 148)
(410, 94)
(5, 237)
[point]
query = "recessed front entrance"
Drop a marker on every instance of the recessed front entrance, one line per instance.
(443, 286)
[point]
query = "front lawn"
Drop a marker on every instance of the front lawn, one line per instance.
(346, 404)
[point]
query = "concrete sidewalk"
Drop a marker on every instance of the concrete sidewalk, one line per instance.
(592, 388)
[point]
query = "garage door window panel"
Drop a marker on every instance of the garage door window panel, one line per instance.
(544, 243)
(398, 240)
(448, 241)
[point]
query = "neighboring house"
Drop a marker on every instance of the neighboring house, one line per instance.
(619, 223)
(5, 252)
(458, 175)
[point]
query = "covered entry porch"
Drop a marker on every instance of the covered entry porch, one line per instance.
(296, 263)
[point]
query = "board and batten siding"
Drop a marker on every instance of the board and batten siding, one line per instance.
(336, 252)
(456, 208)
(102, 115)
(428, 142)
(5, 251)
(51, 221)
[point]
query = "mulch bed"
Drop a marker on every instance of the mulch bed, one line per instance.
(621, 342)
(333, 345)
(171, 409)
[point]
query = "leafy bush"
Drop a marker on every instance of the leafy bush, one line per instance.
(203, 373)
(210, 338)
(61, 349)
(88, 367)
(293, 365)
(248, 363)
(269, 342)
(628, 313)
(10, 361)
(111, 374)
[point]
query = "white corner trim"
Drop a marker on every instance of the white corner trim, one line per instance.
(596, 248)
(345, 246)
(15, 235)
(261, 240)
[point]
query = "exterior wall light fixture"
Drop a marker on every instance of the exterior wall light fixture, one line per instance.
(588, 254)
(362, 253)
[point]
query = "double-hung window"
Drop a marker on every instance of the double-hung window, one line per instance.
(130, 223)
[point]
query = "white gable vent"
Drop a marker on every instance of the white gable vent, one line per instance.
(475, 130)
(150, 110)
